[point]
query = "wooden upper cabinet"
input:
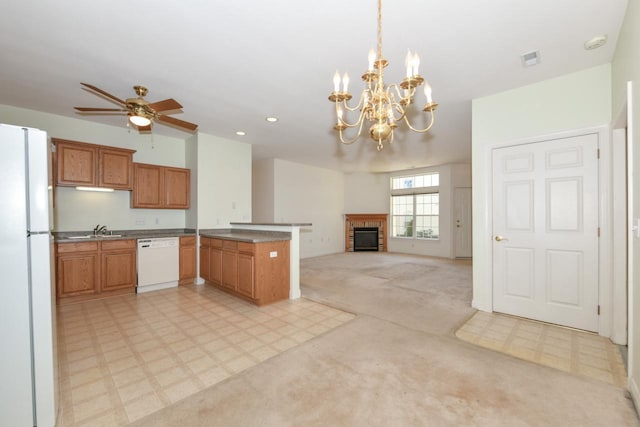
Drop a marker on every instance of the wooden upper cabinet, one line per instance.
(115, 169)
(148, 186)
(91, 165)
(76, 163)
(177, 188)
(160, 187)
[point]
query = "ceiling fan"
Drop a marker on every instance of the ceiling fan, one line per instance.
(141, 112)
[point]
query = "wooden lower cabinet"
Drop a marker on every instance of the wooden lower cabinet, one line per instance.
(118, 265)
(77, 271)
(258, 272)
(187, 260)
(215, 262)
(88, 270)
(245, 275)
(229, 268)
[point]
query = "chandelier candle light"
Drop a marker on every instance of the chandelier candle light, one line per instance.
(382, 106)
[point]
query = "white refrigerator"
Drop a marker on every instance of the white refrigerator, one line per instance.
(28, 363)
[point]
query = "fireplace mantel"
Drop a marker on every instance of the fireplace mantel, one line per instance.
(365, 220)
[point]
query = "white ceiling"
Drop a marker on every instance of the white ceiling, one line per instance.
(232, 63)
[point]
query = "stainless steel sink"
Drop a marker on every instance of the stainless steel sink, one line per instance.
(109, 235)
(80, 237)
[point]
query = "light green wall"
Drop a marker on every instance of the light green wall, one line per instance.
(191, 162)
(220, 176)
(262, 191)
(573, 101)
(310, 194)
(224, 182)
(77, 210)
(626, 67)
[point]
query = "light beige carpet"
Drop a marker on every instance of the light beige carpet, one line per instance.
(569, 350)
(398, 363)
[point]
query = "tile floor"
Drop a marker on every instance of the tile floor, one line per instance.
(570, 350)
(124, 357)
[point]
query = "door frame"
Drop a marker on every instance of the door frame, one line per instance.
(621, 214)
(483, 292)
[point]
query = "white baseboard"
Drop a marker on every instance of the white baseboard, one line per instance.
(477, 306)
(156, 287)
(635, 393)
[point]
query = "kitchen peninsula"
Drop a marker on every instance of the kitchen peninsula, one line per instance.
(257, 232)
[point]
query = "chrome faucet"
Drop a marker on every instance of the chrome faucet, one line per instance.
(100, 230)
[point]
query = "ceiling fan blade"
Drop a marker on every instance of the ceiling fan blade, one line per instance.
(146, 128)
(102, 92)
(166, 105)
(88, 109)
(177, 122)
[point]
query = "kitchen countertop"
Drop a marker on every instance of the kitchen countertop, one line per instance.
(64, 236)
(282, 224)
(250, 236)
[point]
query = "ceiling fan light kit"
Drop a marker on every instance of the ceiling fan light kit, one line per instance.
(141, 113)
(139, 120)
(382, 106)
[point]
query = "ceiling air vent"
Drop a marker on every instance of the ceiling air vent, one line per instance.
(530, 59)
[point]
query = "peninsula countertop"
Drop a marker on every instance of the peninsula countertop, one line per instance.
(250, 236)
(279, 224)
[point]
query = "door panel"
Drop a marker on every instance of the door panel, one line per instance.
(545, 225)
(462, 212)
(519, 272)
(519, 205)
(564, 204)
(564, 277)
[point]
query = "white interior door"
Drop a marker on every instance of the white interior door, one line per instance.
(462, 217)
(545, 227)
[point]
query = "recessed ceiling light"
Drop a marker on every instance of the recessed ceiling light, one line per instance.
(595, 42)
(240, 133)
(271, 119)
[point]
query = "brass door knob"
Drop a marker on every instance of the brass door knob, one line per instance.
(500, 238)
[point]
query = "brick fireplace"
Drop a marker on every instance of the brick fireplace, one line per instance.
(365, 221)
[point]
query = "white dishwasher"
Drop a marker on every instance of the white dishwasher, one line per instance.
(158, 261)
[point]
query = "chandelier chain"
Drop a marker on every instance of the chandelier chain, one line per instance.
(379, 29)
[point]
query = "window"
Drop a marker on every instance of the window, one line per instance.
(415, 206)
(415, 181)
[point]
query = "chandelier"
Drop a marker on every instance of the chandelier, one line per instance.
(382, 106)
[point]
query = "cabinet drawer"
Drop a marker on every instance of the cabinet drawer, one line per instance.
(117, 244)
(188, 241)
(216, 243)
(64, 248)
(245, 247)
(230, 244)
(205, 242)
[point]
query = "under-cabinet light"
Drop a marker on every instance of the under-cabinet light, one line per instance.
(99, 189)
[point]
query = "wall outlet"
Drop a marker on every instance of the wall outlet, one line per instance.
(273, 254)
(140, 221)
(157, 220)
